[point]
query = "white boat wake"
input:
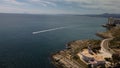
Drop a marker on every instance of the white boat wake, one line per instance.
(48, 30)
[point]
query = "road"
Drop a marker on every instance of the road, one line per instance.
(105, 48)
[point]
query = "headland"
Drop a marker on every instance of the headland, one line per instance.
(104, 53)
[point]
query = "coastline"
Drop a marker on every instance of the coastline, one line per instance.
(68, 57)
(91, 53)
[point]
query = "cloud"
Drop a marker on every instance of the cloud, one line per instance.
(9, 9)
(61, 6)
(42, 2)
(12, 2)
(14, 9)
(97, 4)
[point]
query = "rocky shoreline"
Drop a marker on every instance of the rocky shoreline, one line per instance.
(68, 58)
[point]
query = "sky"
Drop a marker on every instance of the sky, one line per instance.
(60, 6)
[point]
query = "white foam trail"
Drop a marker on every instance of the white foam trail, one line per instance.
(42, 31)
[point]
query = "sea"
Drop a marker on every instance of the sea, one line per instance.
(28, 40)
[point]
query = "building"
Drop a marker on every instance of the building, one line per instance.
(114, 21)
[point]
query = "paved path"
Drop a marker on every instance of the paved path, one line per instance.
(105, 50)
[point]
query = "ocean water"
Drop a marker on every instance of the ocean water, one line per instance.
(27, 41)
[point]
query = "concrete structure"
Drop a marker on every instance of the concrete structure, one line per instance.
(92, 61)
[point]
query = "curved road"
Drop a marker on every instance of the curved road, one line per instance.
(105, 48)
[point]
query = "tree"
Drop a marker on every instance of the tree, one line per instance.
(116, 59)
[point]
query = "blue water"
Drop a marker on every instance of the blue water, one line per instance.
(19, 48)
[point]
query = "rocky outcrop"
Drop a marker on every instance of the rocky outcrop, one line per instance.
(68, 58)
(63, 60)
(104, 35)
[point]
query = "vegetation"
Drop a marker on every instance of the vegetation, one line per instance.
(116, 33)
(77, 46)
(115, 43)
(116, 57)
(108, 59)
(74, 47)
(94, 44)
(77, 58)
